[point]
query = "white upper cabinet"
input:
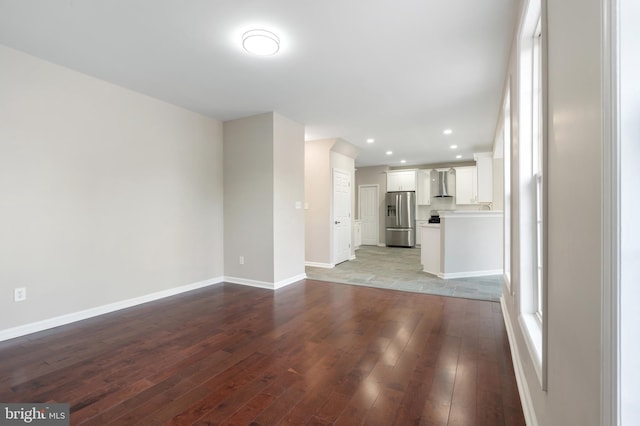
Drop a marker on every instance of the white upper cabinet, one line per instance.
(466, 185)
(401, 180)
(474, 184)
(484, 171)
(424, 187)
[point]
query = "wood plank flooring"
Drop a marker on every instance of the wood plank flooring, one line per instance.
(310, 353)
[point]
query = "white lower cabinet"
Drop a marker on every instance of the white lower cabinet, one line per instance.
(419, 224)
(430, 249)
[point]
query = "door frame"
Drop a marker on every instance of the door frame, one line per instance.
(377, 209)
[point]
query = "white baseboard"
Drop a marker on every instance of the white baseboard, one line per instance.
(46, 324)
(470, 274)
(265, 284)
(437, 274)
(320, 265)
(289, 281)
(521, 381)
(248, 282)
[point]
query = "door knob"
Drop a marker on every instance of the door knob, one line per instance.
(336, 222)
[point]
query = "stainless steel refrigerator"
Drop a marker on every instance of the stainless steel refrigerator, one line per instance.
(400, 220)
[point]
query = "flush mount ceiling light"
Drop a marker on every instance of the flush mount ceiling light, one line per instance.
(370, 140)
(458, 156)
(261, 42)
(389, 152)
(447, 131)
(403, 161)
(453, 146)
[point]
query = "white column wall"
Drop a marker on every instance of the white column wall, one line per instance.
(288, 212)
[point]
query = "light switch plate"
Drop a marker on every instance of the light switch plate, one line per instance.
(19, 294)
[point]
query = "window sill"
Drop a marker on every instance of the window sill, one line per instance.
(532, 331)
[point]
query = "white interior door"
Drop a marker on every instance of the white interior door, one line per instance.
(368, 208)
(341, 216)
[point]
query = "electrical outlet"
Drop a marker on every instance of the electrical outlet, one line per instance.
(242, 260)
(19, 294)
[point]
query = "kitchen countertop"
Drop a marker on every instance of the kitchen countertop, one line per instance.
(431, 225)
(469, 213)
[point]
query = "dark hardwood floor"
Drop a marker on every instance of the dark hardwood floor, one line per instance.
(310, 353)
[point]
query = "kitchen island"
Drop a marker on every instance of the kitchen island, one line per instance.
(466, 243)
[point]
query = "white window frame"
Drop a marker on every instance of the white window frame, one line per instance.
(537, 164)
(506, 135)
(531, 185)
(626, 195)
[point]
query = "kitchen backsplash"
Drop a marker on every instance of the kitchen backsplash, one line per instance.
(424, 212)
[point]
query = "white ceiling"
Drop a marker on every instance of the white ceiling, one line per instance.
(399, 71)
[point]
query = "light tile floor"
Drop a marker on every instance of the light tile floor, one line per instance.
(400, 269)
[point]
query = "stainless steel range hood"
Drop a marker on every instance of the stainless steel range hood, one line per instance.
(443, 184)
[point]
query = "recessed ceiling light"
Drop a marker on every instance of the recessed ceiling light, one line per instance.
(389, 152)
(403, 161)
(447, 131)
(261, 42)
(453, 146)
(458, 156)
(370, 140)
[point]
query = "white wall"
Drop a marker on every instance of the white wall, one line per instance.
(248, 198)
(317, 190)
(574, 255)
(574, 222)
(107, 194)
(321, 157)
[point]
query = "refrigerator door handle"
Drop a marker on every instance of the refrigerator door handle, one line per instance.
(399, 204)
